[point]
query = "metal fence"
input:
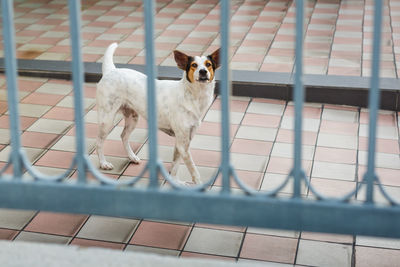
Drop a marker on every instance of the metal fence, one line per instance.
(252, 208)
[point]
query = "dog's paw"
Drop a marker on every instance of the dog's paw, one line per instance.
(135, 159)
(106, 166)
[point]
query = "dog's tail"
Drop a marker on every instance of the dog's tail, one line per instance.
(108, 64)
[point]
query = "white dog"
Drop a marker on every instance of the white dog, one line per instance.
(180, 104)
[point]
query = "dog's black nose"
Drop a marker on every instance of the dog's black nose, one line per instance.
(203, 72)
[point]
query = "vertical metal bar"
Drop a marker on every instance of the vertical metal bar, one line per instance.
(225, 92)
(151, 94)
(374, 100)
(12, 86)
(77, 75)
(298, 97)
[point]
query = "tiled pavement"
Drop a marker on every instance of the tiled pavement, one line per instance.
(334, 156)
(338, 34)
(337, 42)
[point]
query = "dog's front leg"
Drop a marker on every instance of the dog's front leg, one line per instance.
(182, 146)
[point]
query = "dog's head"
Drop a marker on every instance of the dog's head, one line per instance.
(198, 69)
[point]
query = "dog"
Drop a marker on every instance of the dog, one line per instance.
(181, 104)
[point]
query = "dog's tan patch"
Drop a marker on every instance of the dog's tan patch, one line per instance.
(190, 71)
(210, 68)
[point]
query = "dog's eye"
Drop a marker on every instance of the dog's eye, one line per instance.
(208, 64)
(194, 65)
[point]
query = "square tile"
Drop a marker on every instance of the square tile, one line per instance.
(309, 125)
(6, 234)
(256, 133)
(15, 219)
(334, 171)
(32, 110)
(162, 235)
(42, 238)
(248, 162)
(272, 181)
(368, 256)
(382, 160)
(108, 229)
(337, 141)
(317, 253)
(158, 251)
(55, 88)
(339, 115)
(269, 248)
(95, 243)
(37, 140)
(216, 242)
(215, 116)
(332, 188)
(50, 126)
(261, 120)
(206, 142)
(285, 150)
(266, 108)
(254, 147)
(336, 155)
(380, 242)
(56, 223)
(67, 143)
(56, 159)
(334, 238)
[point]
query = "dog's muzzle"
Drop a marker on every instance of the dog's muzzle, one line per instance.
(203, 76)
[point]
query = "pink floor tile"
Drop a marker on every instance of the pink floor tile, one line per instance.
(336, 155)
(56, 159)
(370, 256)
(42, 98)
(214, 129)
(25, 122)
(186, 254)
(254, 147)
(38, 140)
(333, 127)
(287, 136)
(285, 165)
(6, 234)
(269, 248)
(163, 235)
(56, 223)
(235, 105)
(382, 145)
(60, 113)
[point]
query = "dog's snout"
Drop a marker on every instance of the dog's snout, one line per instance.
(203, 72)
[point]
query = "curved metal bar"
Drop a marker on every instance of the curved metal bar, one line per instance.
(6, 166)
(344, 198)
(196, 188)
(38, 176)
(250, 191)
(100, 176)
(392, 201)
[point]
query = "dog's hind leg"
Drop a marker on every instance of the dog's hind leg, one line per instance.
(175, 162)
(131, 119)
(106, 122)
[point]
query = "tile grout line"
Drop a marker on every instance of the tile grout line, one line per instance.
(333, 38)
(391, 37)
(353, 250)
(311, 171)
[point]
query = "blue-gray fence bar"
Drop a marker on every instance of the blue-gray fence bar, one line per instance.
(374, 100)
(151, 92)
(298, 98)
(120, 198)
(77, 75)
(225, 91)
(12, 97)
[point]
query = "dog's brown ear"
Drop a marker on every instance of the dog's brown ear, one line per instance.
(215, 58)
(181, 59)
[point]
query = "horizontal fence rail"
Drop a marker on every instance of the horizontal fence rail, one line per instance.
(197, 203)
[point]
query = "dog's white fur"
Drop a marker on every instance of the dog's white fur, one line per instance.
(181, 106)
